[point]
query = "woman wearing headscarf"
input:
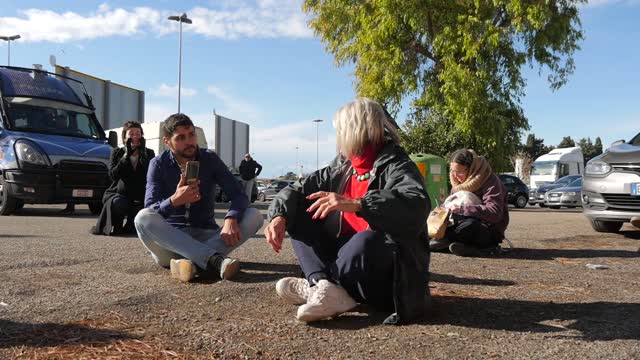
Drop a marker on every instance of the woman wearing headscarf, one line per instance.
(477, 227)
(357, 226)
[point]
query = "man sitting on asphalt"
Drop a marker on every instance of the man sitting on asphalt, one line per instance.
(177, 225)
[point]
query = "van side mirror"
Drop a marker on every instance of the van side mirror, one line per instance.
(113, 139)
(616, 143)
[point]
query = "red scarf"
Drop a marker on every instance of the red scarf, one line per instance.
(355, 189)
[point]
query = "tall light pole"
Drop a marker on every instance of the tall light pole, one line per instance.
(181, 19)
(317, 121)
(9, 39)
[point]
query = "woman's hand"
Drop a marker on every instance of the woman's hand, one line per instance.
(274, 232)
(456, 209)
(327, 202)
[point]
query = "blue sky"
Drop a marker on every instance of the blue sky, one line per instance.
(257, 62)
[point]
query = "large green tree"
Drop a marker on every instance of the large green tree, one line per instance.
(456, 60)
(566, 142)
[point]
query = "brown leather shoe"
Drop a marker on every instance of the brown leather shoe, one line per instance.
(635, 221)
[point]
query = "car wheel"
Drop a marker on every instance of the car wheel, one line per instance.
(262, 197)
(521, 201)
(606, 226)
(7, 202)
(542, 205)
(95, 207)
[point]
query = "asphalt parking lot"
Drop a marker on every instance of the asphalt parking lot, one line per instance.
(68, 294)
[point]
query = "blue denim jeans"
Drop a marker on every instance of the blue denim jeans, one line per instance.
(166, 242)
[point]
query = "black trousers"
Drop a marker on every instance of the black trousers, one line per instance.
(471, 231)
(122, 207)
(362, 264)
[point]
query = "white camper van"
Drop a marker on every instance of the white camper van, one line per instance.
(556, 164)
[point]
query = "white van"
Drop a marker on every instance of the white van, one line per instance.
(556, 164)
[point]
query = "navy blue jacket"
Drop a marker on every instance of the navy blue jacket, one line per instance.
(162, 180)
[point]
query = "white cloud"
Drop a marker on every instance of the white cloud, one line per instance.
(234, 107)
(172, 91)
(230, 20)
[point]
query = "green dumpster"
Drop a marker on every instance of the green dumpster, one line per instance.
(434, 171)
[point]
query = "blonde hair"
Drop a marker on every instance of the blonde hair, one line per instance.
(360, 123)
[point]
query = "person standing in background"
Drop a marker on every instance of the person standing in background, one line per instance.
(249, 171)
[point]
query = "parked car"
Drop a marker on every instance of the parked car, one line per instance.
(220, 195)
(260, 185)
(517, 191)
(569, 196)
(273, 189)
(536, 196)
(611, 188)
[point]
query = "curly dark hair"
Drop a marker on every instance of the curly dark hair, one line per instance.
(130, 125)
(173, 121)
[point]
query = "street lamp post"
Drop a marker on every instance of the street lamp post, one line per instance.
(317, 121)
(180, 19)
(9, 39)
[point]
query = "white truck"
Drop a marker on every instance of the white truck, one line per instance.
(556, 164)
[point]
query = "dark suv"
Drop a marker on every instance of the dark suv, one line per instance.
(517, 191)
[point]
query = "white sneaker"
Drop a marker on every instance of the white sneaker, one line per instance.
(327, 300)
(294, 290)
(182, 269)
(229, 268)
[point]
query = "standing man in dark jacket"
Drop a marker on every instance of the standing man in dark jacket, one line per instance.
(178, 223)
(128, 173)
(248, 173)
(358, 227)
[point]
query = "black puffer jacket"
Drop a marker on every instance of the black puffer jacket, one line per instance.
(396, 203)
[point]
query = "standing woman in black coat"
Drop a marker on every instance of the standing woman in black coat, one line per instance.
(128, 172)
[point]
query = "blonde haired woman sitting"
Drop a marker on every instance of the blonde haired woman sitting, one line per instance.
(477, 227)
(357, 226)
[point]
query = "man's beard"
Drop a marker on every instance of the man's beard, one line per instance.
(184, 153)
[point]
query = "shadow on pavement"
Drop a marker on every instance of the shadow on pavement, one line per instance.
(452, 279)
(48, 334)
(602, 321)
(598, 321)
(550, 254)
(265, 272)
(633, 234)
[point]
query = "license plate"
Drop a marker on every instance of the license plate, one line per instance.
(82, 193)
(635, 189)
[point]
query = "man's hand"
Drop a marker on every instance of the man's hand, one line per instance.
(327, 202)
(274, 232)
(186, 193)
(230, 232)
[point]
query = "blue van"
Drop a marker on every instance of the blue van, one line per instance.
(52, 147)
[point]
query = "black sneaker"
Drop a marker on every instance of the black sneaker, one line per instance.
(439, 244)
(460, 249)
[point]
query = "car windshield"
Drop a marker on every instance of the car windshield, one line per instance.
(576, 183)
(543, 168)
(50, 120)
(565, 180)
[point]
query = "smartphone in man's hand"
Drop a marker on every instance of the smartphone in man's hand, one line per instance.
(193, 167)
